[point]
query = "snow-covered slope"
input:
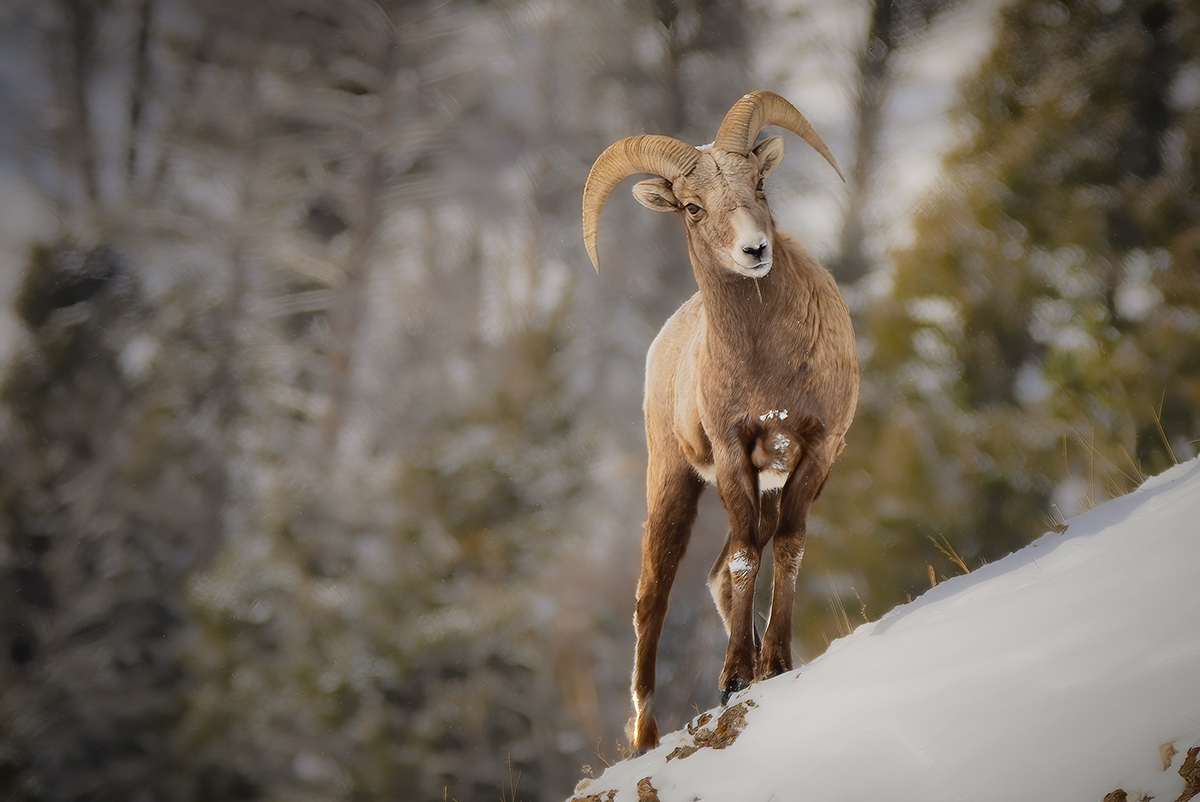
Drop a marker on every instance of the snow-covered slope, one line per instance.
(1063, 672)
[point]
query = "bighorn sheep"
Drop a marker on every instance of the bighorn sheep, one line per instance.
(750, 385)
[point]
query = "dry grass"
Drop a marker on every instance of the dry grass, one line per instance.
(1113, 487)
(513, 782)
(1056, 522)
(841, 619)
(600, 752)
(1157, 413)
(862, 605)
(947, 548)
(1131, 474)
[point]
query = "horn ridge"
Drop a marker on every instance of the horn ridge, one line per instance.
(650, 153)
(755, 111)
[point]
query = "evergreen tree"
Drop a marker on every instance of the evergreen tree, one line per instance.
(1037, 348)
(111, 494)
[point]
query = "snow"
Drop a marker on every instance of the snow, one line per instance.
(739, 563)
(1056, 673)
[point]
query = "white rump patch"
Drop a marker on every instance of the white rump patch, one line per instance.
(769, 479)
(772, 478)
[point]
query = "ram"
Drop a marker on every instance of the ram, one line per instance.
(751, 385)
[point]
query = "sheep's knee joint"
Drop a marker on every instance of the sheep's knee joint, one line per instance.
(743, 564)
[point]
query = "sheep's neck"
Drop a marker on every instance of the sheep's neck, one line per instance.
(749, 318)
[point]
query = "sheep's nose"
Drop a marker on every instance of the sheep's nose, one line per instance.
(755, 251)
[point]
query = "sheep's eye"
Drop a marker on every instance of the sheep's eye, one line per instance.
(759, 188)
(693, 209)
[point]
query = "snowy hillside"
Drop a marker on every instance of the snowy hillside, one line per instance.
(1065, 671)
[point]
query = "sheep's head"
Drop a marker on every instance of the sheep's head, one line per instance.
(723, 206)
(717, 190)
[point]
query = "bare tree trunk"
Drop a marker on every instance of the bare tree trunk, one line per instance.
(213, 25)
(81, 23)
(351, 303)
(138, 89)
(895, 24)
(674, 112)
(874, 80)
(248, 129)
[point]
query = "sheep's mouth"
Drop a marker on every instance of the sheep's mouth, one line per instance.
(756, 270)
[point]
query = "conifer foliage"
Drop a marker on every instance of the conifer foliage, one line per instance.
(321, 457)
(1036, 348)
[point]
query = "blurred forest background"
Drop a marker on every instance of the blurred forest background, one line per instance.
(320, 442)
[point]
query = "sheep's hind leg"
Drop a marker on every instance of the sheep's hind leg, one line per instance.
(719, 586)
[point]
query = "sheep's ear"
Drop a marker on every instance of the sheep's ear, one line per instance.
(656, 194)
(769, 153)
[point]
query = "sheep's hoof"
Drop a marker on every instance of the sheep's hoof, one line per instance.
(733, 686)
(642, 734)
(772, 667)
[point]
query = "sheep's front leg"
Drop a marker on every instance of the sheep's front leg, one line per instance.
(673, 491)
(802, 488)
(737, 483)
(719, 583)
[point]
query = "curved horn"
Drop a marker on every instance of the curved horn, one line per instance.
(659, 155)
(757, 110)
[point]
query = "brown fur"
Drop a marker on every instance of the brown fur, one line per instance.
(751, 374)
